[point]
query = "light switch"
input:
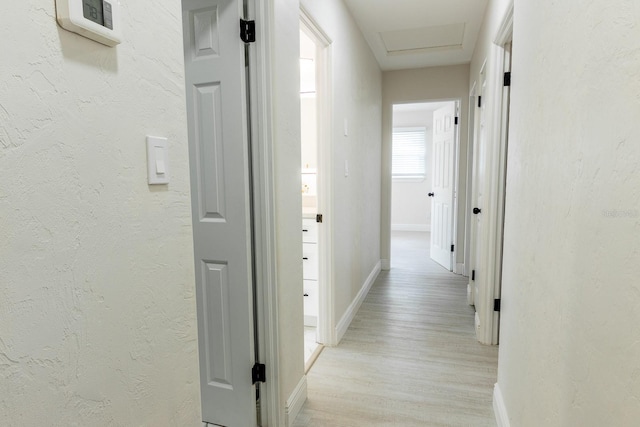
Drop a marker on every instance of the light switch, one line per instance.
(160, 170)
(157, 160)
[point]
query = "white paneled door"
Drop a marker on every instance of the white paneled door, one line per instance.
(220, 191)
(443, 185)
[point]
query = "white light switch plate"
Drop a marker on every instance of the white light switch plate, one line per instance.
(158, 160)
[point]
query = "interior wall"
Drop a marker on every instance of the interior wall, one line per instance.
(418, 85)
(410, 205)
(569, 352)
(356, 86)
(288, 185)
(97, 305)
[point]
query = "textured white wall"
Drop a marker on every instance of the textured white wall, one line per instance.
(410, 204)
(417, 85)
(357, 82)
(569, 352)
(97, 309)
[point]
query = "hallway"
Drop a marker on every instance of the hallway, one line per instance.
(410, 357)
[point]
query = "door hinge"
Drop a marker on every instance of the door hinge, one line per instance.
(456, 122)
(247, 31)
(473, 275)
(496, 304)
(507, 78)
(452, 247)
(319, 218)
(259, 373)
(479, 101)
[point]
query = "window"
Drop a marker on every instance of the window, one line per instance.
(409, 153)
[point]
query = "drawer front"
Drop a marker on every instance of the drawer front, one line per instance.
(309, 231)
(311, 298)
(310, 261)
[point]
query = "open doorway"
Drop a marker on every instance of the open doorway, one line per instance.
(316, 197)
(424, 162)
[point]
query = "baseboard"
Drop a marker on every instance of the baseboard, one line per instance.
(295, 401)
(385, 264)
(499, 408)
(346, 320)
(411, 227)
(460, 269)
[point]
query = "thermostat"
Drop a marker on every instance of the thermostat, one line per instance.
(98, 20)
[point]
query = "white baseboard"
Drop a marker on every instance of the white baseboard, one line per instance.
(346, 320)
(460, 269)
(411, 227)
(385, 264)
(499, 408)
(295, 401)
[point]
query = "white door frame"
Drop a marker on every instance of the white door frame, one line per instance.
(469, 224)
(487, 331)
(326, 330)
(271, 407)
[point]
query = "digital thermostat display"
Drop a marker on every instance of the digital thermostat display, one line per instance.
(98, 20)
(98, 11)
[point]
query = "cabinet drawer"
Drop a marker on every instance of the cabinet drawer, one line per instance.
(309, 231)
(310, 261)
(311, 297)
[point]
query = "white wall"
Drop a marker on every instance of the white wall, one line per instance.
(410, 205)
(417, 85)
(286, 117)
(97, 307)
(356, 82)
(569, 352)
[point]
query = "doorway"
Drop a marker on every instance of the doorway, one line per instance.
(316, 198)
(492, 94)
(423, 192)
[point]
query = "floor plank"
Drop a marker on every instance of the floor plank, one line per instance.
(410, 357)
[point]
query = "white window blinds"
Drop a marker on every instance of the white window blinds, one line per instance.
(409, 153)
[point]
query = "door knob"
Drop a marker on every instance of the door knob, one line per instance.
(431, 194)
(476, 211)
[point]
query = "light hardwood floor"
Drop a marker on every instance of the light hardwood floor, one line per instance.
(410, 357)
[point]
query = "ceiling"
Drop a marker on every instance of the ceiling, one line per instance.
(419, 33)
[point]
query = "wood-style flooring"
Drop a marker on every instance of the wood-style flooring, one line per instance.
(410, 356)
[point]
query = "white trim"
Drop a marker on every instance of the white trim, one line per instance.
(469, 225)
(494, 194)
(499, 408)
(456, 187)
(411, 227)
(460, 269)
(272, 409)
(326, 316)
(505, 31)
(346, 320)
(295, 401)
(385, 264)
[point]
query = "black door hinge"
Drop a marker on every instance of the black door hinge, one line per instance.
(259, 373)
(479, 101)
(473, 275)
(247, 31)
(507, 78)
(496, 305)
(452, 248)
(319, 218)
(456, 121)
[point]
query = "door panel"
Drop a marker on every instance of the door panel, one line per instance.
(218, 159)
(478, 255)
(443, 188)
